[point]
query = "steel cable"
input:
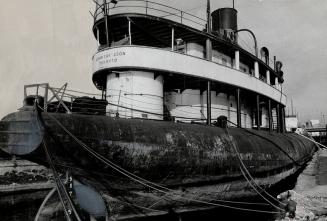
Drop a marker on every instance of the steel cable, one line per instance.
(243, 168)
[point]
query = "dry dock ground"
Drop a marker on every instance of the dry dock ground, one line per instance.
(310, 192)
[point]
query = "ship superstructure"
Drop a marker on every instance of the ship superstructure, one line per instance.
(154, 67)
(187, 120)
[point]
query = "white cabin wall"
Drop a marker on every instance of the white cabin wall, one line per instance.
(216, 57)
(135, 90)
(192, 104)
(195, 49)
(221, 58)
(246, 115)
(264, 117)
(219, 105)
(232, 115)
(188, 104)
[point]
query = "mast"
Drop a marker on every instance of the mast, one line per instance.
(208, 57)
(106, 20)
(208, 17)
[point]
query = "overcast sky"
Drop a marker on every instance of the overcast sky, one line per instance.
(51, 41)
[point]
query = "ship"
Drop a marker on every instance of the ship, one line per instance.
(187, 118)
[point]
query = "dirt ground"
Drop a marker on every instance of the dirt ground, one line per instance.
(310, 192)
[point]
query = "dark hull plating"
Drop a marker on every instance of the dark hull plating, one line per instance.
(185, 157)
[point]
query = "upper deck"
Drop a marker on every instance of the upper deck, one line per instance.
(194, 68)
(152, 25)
(123, 57)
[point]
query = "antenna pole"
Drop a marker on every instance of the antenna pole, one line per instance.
(209, 58)
(106, 8)
(234, 4)
(208, 17)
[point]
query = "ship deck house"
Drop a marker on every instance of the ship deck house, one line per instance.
(157, 62)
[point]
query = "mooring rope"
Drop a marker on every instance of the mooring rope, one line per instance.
(147, 183)
(265, 138)
(43, 203)
(58, 181)
(60, 184)
(325, 147)
(255, 186)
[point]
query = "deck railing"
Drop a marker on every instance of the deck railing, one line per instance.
(64, 100)
(149, 8)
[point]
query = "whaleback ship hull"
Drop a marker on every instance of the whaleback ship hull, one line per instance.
(189, 158)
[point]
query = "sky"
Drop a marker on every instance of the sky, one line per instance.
(51, 41)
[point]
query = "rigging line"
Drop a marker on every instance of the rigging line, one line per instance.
(177, 105)
(99, 95)
(138, 106)
(139, 179)
(188, 10)
(203, 114)
(317, 143)
(271, 142)
(248, 173)
(131, 99)
(141, 111)
(256, 190)
(281, 93)
(58, 184)
(80, 92)
(147, 96)
(45, 201)
(245, 43)
(245, 37)
(265, 138)
(187, 112)
(157, 114)
(138, 206)
(141, 94)
(112, 111)
(191, 106)
(147, 112)
(132, 206)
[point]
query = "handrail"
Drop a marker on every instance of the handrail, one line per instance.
(154, 6)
